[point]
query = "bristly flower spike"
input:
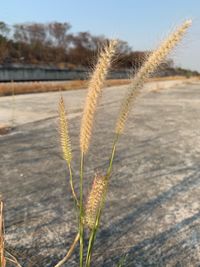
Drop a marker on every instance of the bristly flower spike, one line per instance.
(64, 132)
(95, 199)
(94, 89)
(146, 70)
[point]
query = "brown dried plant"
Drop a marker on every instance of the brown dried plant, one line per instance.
(2, 240)
(5, 256)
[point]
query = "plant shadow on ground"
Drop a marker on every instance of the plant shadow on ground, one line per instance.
(159, 249)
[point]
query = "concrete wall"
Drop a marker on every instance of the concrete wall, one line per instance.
(47, 74)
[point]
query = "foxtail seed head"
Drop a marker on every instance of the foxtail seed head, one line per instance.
(94, 89)
(64, 132)
(146, 70)
(94, 200)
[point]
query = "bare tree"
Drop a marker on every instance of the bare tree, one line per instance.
(58, 32)
(52, 43)
(4, 29)
(30, 33)
(20, 33)
(36, 32)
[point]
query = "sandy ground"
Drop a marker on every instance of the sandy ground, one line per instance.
(152, 215)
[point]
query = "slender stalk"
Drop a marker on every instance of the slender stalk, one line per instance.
(2, 240)
(112, 155)
(60, 263)
(12, 259)
(90, 246)
(94, 230)
(81, 214)
(72, 185)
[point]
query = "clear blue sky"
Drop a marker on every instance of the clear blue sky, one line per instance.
(142, 23)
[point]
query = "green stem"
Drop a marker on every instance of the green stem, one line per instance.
(61, 262)
(90, 246)
(81, 214)
(72, 185)
(112, 156)
(94, 230)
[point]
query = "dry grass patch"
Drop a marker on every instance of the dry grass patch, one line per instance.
(42, 87)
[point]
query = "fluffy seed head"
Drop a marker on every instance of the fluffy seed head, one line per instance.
(64, 133)
(94, 89)
(146, 70)
(94, 200)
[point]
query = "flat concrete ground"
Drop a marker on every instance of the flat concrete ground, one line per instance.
(152, 215)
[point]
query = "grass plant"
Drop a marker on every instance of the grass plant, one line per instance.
(90, 214)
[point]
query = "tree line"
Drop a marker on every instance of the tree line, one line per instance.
(53, 44)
